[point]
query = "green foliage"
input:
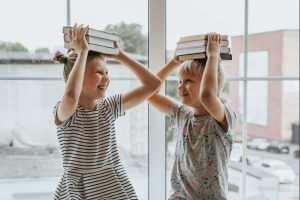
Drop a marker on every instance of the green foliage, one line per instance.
(12, 47)
(132, 38)
(42, 50)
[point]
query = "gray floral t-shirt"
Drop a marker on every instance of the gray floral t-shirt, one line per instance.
(202, 152)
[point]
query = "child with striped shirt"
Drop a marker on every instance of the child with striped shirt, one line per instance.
(85, 122)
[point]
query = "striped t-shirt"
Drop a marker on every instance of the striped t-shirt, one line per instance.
(93, 169)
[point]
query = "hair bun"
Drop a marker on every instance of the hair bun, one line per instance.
(60, 58)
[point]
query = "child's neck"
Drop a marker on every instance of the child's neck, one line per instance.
(200, 111)
(87, 103)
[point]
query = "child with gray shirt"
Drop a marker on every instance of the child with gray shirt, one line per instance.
(204, 124)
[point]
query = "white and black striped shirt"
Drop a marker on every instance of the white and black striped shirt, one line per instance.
(93, 169)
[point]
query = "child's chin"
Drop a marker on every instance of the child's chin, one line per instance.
(100, 95)
(185, 102)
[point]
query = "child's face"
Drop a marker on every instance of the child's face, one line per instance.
(96, 79)
(189, 88)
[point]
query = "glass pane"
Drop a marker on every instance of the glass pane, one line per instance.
(277, 36)
(273, 142)
(36, 28)
(31, 163)
(201, 20)
(230, 98)
(171, 134)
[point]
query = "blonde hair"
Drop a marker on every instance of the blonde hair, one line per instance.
(70, 59)
(191, 67)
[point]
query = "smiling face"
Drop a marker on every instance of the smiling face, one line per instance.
(96, 78)
(189, 88)
(190, 75)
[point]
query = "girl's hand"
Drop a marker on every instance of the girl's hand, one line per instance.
(175, 59)
(117, 57)
(213, 45)
(77, 38)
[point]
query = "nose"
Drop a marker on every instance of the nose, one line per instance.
(180, 87)
(106, 78)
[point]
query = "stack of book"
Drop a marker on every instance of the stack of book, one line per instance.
(194, 47)
(99, 41)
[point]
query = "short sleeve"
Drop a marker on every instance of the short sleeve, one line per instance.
(63, 124)
(231, 120)
(178, 113)
(114, 103)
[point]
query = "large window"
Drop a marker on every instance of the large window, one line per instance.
(265, 97)
(207, 16)
(31, 84)
(262, 87)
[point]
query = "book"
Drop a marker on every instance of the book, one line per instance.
(199, 37)
(194, 43)
(96, 33)
(93, 40)
(97, 48)
(224, 56)
(198, 49)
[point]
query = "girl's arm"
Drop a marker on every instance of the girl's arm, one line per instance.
(73, 88)
(209, 82)
(160, 102)
(150, 82)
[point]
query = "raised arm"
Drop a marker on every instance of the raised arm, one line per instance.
(209, 82)
(160, 102)
(149, 82)
(73, 87)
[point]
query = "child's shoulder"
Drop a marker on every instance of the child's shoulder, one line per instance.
(182, 111)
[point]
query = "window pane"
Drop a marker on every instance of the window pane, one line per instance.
(276, 34)
(273, 53)
(228, 97)
(31, 163)
(273, 143)
(38, 26)
(202, 17)
(129, 19)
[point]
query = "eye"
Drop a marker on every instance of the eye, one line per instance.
(188, 81)
(100, 72)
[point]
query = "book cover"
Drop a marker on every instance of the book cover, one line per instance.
(224, 56)
(97, 48)
(96, 33)
(199, 37)
(200, 49)
(94, 40)
(195, 43)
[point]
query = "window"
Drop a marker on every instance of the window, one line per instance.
(31, 162)
(271, 78)
(262, 87)
(202, 17)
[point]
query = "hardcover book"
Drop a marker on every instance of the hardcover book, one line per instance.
(96, 33)
(97, 48)
(224, 56)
